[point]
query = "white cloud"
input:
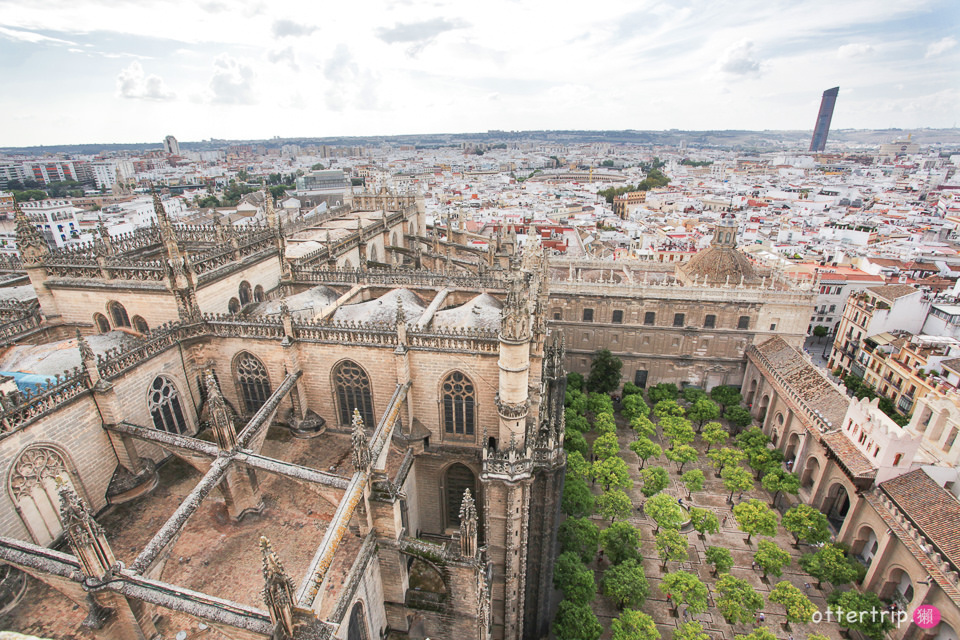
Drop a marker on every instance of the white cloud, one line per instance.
(134, 84)
(940, 46)
(419, 34)
(348, 86)
(284, 55)
(855, 50)
(30, 36)
(741, 60)
(231, 81)
(283, 28)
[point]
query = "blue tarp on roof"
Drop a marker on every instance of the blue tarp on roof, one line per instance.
(25, 381)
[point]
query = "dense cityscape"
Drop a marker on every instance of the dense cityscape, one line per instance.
(422, 322)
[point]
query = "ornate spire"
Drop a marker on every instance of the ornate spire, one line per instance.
(33, 248)
(223, 429)
(74, 515)
(361, 448)
(515, 323)
(167, 234)
(468, 526)
(84, 533)
(271, 214)
(278, 590)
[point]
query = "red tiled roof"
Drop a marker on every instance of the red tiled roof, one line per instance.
(933, 509)
(853, 461)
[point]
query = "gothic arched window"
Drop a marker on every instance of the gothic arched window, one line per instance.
(253, 383)
(357, 629)
(246, 294)
(373, 254)
(118, 314)
(352, 387)
(258, 294)
(165, 407)
(459, 405)
(233, 306)
(34, 490)
(140, 324)
(456, 481)
(103, 326)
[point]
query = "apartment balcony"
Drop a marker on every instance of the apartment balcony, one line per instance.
(905, 404)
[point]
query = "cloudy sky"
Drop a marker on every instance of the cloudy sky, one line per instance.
(122, 71)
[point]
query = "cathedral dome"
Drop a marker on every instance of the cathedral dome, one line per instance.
(719, 265)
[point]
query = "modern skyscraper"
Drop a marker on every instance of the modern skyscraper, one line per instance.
(171, 146)
(822, 128)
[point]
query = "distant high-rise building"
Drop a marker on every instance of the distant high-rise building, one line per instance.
(171, 146)
(822, 128)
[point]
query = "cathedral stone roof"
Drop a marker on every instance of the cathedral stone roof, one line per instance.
(720, 265)
(482, 312)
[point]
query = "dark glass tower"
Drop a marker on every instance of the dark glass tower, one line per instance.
(822, 128)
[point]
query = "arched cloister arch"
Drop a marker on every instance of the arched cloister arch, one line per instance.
(751, 392)
(793, 447)
(865, 545)
(836, 505)
(897, 586)
(762, 409)
(811, 473)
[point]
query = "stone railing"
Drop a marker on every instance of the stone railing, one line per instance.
(115, 361)
(396, 277)
(12, 330)
(18, 411)
(135, 241)
(121, 268)
(16, 309)
(299, 224)
(72, 265)
(228, 326)
(464, 340)
(349, 241)
(10, 262)
(187, 233)
(212, 259)
(346, 333)
(674, 290)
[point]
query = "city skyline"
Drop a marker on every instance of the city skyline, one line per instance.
(92, 71)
